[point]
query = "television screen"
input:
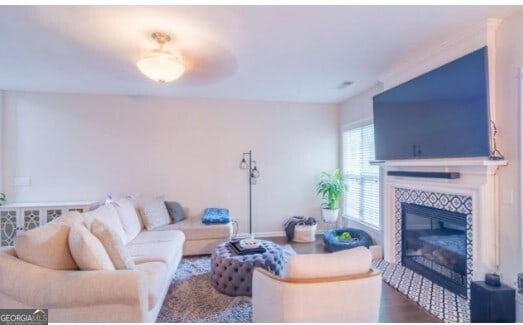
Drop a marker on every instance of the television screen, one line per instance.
(443, 113)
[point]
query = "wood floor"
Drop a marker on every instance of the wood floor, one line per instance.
(395, 307)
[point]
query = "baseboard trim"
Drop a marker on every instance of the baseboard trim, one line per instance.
(263, 234)
(274, 234)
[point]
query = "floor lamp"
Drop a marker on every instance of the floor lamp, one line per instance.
(253, 175)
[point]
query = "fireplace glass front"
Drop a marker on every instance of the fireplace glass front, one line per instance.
(434, 244)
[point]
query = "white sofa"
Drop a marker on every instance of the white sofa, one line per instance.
(72, 295)
(325, 288)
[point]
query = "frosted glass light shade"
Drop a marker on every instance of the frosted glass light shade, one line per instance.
(243, 164)
(255, 172)
(161, 66)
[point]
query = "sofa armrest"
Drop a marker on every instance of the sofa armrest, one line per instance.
(40, 287)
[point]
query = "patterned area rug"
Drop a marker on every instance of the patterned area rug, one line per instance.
(440, 302)
(192, 299)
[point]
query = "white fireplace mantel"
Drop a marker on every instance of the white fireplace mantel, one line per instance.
(478, 179)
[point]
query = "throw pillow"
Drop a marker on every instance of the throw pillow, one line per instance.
(113, 245)
(129, 218)
(107, 214)
(154, 213)
(47, 245)
(215, 216)
(175, 211)
(87, 250)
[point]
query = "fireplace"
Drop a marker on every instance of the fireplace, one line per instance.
(434, 244)
(473, 196)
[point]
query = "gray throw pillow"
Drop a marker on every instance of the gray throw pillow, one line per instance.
(175, 211)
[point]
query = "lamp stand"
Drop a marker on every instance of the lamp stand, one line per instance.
(253, 175)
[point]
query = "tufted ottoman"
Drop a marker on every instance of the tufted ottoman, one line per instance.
(231, 274)
(360, 238)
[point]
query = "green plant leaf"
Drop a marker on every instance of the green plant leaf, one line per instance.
(331, 187)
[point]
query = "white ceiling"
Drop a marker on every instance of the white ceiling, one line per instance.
(275, 53)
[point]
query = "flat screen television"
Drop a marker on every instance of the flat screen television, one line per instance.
(443, 113)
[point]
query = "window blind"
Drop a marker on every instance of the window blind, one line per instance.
(362, 197)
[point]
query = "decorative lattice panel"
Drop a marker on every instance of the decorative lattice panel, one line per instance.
(53, 214)
(31, 219)
(7, 227)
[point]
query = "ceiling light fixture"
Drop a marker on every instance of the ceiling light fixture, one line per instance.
(161, 65)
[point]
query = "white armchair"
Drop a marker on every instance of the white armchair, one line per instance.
(335, 287)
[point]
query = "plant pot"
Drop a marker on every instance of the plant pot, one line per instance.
(330, 215)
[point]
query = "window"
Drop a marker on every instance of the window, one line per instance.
(362, 199)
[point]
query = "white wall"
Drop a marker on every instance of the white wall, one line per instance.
(359, 107)
(509, 58)
(81, 147)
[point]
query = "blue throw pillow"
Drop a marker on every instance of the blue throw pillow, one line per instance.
(175, 211)
(215, 215)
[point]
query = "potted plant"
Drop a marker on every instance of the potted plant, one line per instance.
(2, 198)
(331, 187)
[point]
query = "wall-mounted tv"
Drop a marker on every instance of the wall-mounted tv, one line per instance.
(443, 113)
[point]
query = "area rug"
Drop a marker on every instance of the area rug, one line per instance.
(440, 302)
(192, 299)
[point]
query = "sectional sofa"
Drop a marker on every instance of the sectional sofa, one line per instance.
(42, 270)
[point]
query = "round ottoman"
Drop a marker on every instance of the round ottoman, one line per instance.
(360, 238)
(231, 274)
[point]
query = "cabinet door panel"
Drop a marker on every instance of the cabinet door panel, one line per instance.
(8, 227)
(32, 218)
(53, 213)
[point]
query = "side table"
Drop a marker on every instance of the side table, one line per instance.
(492, 304)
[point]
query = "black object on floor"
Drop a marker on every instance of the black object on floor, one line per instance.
(492, 304)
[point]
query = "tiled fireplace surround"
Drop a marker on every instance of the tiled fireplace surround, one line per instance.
(474, 194)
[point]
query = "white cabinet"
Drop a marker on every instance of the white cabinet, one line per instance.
(19, 217)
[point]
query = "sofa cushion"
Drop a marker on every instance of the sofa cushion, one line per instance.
(129, 218)
(157, 236)
(88, 252)
(107, 214)
(194, 229)
(156, 278)
(351, 261)
(175, 211)
(154, 213)
(47, 246)
(156, 251)
(113, 245)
